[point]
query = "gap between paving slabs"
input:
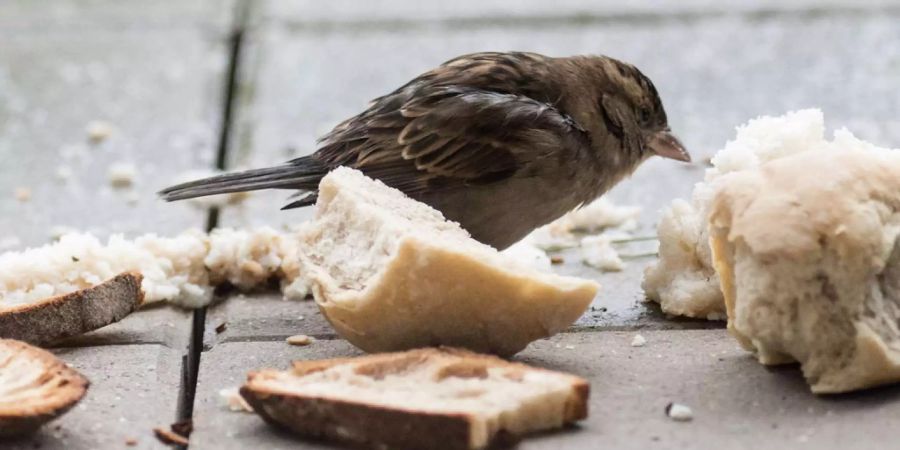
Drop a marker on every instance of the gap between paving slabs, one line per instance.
(191, 360)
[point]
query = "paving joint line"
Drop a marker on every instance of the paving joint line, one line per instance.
(191, 359)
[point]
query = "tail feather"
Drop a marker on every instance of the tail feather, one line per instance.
(304, 176)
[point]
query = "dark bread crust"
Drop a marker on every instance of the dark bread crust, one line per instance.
(374, 426)
(55, 318)
(62, 388)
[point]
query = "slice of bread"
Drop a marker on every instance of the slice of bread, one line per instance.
(49, 320)
(392, 274)
(428, 398)
(35, 387)
(808, 252)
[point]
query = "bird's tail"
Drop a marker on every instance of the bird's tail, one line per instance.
(301, 174)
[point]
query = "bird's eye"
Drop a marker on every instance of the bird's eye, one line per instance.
(645, 115)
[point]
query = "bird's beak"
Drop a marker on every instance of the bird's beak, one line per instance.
(665, 144)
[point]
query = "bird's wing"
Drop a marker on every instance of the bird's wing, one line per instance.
(456, 135)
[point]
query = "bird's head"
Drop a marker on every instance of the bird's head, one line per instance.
(619, 106)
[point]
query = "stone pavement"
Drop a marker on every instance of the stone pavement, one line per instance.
(161, 74)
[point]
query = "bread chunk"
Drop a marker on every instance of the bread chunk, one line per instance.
(35, 387)
(808, 252)
(427, 398)
(52, 319)
(391, 274)
(684, 281)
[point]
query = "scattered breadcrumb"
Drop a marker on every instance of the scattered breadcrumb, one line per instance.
(556, 259)
(63, 173)
(131, 442)
(300, 340)
(679, 412)
(598, 252)
(98, 130)
(182, 269)
(638, 341)
(233, 401)
(22, 194)
(122, 174)
(602, 219)
(220, 328)
(169, 437)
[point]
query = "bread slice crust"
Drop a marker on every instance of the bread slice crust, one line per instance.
(372, 425)
(47, 395)
(55, 318)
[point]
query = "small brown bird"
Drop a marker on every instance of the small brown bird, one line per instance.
(500, 142)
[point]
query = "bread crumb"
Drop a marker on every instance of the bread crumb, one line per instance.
(233, 400)
(122, 175)
(63, 173)
(170, 437)
(597, 252)
(98, 130)
(22, 194)
(556, 259)
(638, 341)
(679, 412)
(220, 328)
(300, 340)
(131, 442)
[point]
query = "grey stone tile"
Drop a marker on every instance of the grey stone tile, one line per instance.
(155, 73)
(134, 388)
(737, 403)
(264, 316)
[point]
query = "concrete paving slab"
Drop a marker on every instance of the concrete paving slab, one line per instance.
(134, 388)
(713, 73)
(153, 76)
(264, 316)
(736, 402)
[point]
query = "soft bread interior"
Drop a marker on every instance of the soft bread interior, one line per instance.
(182, 269)
(494, 394)
(808, 251)
(684, 281)
(34, 387)
(391, 274)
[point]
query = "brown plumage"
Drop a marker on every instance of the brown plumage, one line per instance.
(500, 142)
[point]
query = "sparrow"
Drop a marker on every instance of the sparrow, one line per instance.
(501, 143)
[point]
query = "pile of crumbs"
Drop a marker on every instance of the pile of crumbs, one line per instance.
(594, 229)
(183, 269)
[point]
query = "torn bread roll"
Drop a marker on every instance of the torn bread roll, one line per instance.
(808, 254)
(35, 388)
(684, 281)
(49, 320)
(428, 398)
(391, 274)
